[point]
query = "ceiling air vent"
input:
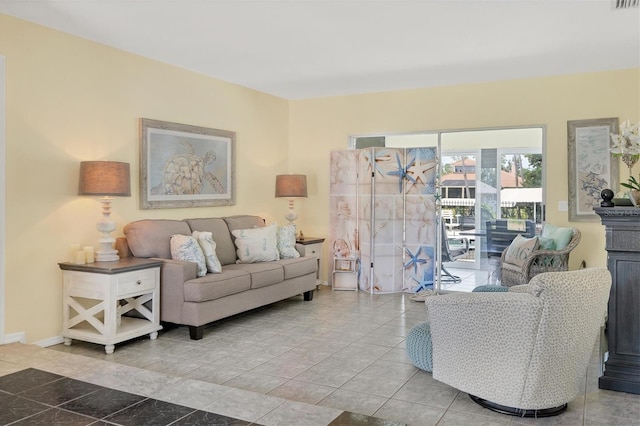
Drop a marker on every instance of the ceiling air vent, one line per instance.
(623, 4)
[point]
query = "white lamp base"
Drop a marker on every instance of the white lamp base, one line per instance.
(291, 215)
(106, 252)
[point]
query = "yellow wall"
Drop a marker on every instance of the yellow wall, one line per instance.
(70, 100)
(320, 125)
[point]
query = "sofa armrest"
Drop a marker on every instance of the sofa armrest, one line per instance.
(477, 335)
(300, 249)
(122, 246)
(173, 275)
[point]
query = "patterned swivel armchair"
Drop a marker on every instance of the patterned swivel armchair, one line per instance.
(525, 351)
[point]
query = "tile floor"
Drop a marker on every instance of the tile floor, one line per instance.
(302, 363)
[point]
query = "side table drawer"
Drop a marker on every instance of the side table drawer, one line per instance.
(131, 282)
(312, 250)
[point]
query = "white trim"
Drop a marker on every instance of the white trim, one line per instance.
(3, 338)
(56, 340)
(15, 338)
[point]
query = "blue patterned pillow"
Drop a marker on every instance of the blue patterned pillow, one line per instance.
(208, 246)
(185, 247)
(287, 242)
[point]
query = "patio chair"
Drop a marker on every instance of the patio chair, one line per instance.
(450, 220)
(451, 254)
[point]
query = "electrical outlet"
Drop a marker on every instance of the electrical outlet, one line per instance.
(563, 206)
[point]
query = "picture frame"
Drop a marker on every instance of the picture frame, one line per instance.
(591, 166)
(185, 166)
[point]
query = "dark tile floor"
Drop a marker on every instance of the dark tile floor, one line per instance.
(36, 397)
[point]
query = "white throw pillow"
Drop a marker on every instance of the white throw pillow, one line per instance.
(208, 246)
(520, 249)
(257, 244)
(185, 247)
(287, 242)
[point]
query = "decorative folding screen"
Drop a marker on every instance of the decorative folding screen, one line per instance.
(382, 210)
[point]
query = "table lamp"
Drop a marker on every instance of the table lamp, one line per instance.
(291, 187)
(106, 179)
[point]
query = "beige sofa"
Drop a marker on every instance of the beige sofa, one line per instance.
(196, 301)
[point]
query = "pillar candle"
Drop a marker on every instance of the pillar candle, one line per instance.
(80, 257)
(89, 254)
(73, 249)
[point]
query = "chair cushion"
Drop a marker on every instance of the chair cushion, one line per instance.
(561, 236)
(520, 249)
(546, 243)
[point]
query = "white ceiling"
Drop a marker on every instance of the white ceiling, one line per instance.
(300, 49)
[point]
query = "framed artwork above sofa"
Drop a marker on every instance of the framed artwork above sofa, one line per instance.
(185, 166)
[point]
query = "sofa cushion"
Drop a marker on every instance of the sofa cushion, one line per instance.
(225, 249)
(262, 274)
(257, 244)
(186, 247)
(152, 237)
(299, 266)
(243, 222)
(215, 286)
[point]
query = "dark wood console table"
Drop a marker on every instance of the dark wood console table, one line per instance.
(622, 369)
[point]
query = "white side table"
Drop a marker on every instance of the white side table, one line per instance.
(97, 295)
(312, 246)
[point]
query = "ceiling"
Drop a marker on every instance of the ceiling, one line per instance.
(298, 49)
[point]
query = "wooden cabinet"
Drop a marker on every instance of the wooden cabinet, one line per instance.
(622, 368)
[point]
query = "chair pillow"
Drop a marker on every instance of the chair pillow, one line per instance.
(520, 249)
(287, 242)
(561, 236)
(208, 246)
(546, 243)
(185, 247)
(257, 244)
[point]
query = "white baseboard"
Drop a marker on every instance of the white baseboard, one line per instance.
(20, 337)
(50, 341)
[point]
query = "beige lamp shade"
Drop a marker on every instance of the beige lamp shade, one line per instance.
(106, 178)
(291, 186)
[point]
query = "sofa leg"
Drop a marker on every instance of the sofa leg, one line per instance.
(308, 295)
(196, 332)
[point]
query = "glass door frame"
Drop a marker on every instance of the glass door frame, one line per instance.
(436, 135)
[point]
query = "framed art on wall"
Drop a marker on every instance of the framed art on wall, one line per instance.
(185, 166)
(591, 165)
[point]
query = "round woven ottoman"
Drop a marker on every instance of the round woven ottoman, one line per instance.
(419, 348)
(490, 289)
